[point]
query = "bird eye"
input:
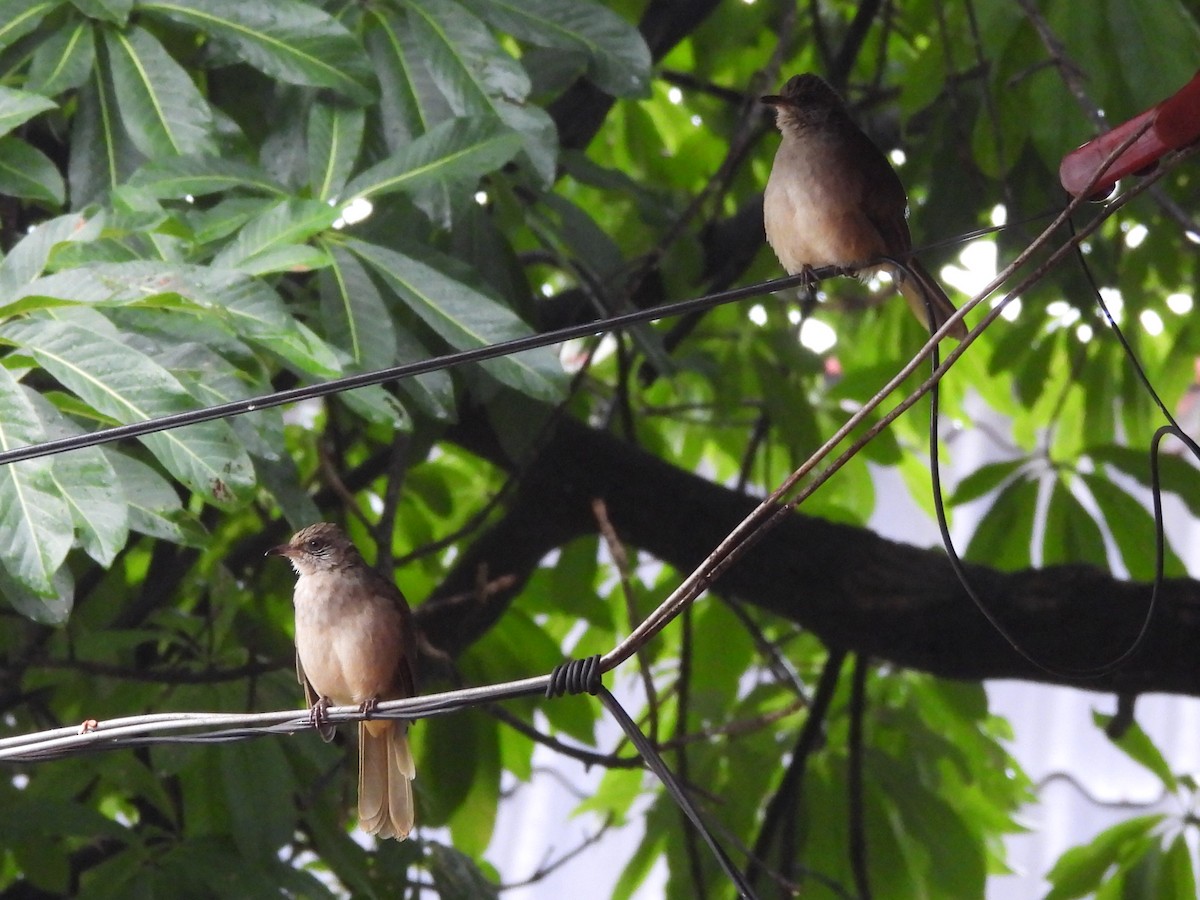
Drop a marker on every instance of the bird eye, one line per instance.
(314, 545)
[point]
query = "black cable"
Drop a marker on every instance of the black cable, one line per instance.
(659, 767)
(406, 370)
(856, 814)
(1085, 673)
(422, 367)
(584, 675)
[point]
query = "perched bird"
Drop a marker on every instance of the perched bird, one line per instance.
(355, 644)
(833, 199)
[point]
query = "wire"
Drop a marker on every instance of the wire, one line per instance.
(580, 676)
(573, 677)
(1083, 673)
(406, 370)
(177, 728)
(137, 731)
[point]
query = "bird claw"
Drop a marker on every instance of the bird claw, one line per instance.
(367, 707)
(318, 714)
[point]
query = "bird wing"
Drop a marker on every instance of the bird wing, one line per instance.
(404, 681)
(883, 198)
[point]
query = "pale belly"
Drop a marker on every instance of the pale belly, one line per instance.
(812, 216)
(349, 651)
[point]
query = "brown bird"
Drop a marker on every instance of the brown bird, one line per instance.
(355, 644)
(833, 199)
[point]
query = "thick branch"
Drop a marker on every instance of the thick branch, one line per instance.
(854, 589)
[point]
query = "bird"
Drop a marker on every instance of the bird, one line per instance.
(356, 644)
(833, 199)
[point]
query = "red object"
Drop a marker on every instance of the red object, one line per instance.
(1174, 123)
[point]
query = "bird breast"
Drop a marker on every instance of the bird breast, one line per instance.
(813, 207)
(347, 637)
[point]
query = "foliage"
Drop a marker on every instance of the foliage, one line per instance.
(211, 200)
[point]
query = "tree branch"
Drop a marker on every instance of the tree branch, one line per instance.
(851, 587)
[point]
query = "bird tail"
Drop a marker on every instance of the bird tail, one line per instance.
(385, 774)
(925, 296)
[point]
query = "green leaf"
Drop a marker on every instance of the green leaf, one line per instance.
(108, 283)
(88, 483)
(227, 216)
(154, 507)
(19, 17)
(20, 106)
(466, 60)
(1176, 475)
(1178, 878)
(1132, 527)
(916, 811)
(52, 609)
(460, 149)
(255, 774)
(181, 176)
(1005, 533)
(461, 755)
(649, 853)
(473, 821)
(289, 223)
(115, 11)
(280, 479)
(35, 521)
(103, 154)
(617, 56)
(295, 42)
(618, 790)
(1136, 744)
(27, 172)
(983, 480)
(335, 133)
(434, 391)
(354, 314)
(126, 385)
(1083, 869)
(161, 108)
(28, 258)
(476, 76)
(284, 258)
(465, 317)
(63, 61)
(27, 816)
(1071, 534)
(243, 306)
(456, 875)
(257, 312)
(213, 380)
(409, 102)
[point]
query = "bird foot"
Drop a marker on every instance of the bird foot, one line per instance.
(318, 714)
(367, 707)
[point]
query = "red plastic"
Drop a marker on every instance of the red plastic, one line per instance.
(1175, 123)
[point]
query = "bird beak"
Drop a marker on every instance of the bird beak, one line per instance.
(281, 550)
(772, 100)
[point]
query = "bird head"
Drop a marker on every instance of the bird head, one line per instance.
(318, 548)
